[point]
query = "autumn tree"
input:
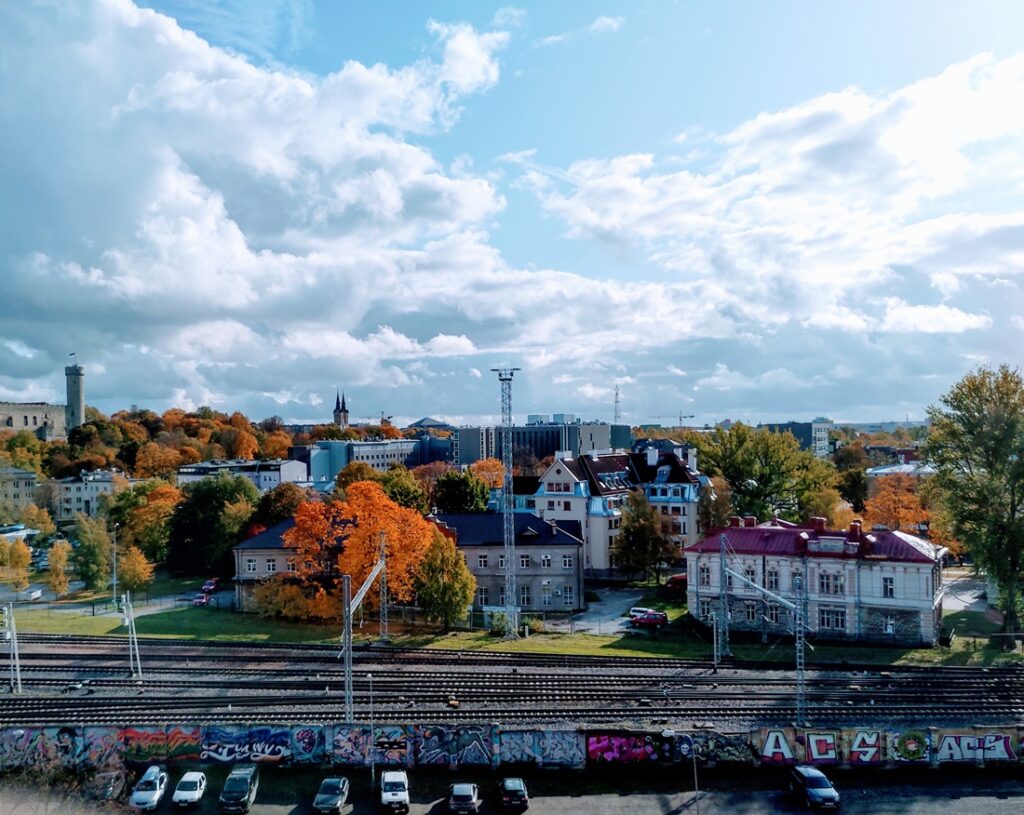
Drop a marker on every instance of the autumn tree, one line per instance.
(134, 572)
(208, 523)
(144, 512)
(19, 558)
(977, 448)
(427, 475)
(5, 555)
(443, 583)
(91, 558)
(38, 518)
(895, 504)
(355, 471)
(155, 460)
(714, 507)
(640, 547)
(59, 554)
(457, 492)
(490, 471)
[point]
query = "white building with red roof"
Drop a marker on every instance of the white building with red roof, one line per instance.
(878, 585)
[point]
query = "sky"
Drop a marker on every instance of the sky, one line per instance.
(747, 210)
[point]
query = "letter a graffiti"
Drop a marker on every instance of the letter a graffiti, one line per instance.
(864, 749)
(776, 747)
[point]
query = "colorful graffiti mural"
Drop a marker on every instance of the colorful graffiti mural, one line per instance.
(143, 745)
(554, 748)
(184, 743)
(391, 746)
(103, 749)
(350, 745)
(226, 744)
(309, 744)
(628, 748)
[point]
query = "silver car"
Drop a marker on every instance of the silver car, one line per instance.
(149, 792)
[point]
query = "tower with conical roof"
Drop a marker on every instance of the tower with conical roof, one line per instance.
(340, 410)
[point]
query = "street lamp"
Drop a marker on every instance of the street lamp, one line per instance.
(373, 768)
(114, 593)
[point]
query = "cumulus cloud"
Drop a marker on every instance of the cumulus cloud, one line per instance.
(509, 17)
(603, 25)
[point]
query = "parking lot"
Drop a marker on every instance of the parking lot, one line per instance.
(289, 791)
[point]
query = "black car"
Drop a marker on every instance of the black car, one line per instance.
(332, 795)
(463, 798)
(813, 788)
(240, 789)
(512, 794)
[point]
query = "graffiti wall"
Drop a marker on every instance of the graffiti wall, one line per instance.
(628, 748)
(227, 744)
(309, 744)
(350, 745)
(865, 746)
(143, 745)
(553, 748)
(392, 746)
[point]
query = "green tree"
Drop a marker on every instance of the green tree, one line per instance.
(640, 547)
(91, 559)
(977, 447)
(457, 492)
(402, 487)
(355, 471)
(715, 505)
(133, 570)
(279, 504)
(444, 585)
(59, 555)
(208, 523)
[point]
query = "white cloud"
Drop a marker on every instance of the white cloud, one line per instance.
(901, 318)
(604, 25)
(554, 39)
(1018, 321)
(509, 17)
(675, 370)
(593, 392)
(475, 373)
(517, 157)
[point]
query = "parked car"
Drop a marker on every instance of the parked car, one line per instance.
(652, 619)
(676, 582)
(512, 794)
(332, 795)
(240, 788)
(211, 585)
(201, 599)
(149, 792)
(639, 611)
(190, 789)
(811, 786)
(394, 791)
(464, 798)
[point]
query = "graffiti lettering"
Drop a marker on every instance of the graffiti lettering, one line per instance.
(991, 747)
(776, 748)
(866, 747)
(821, 748)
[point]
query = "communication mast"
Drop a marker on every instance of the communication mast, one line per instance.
(508, 502)
(618, 414)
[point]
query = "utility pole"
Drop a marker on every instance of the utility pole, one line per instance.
(384, 589)
(134, 660)
(346, 644)
(10, 633)
(722, 636)
(618, 414)
(508, 502)
(113, 594)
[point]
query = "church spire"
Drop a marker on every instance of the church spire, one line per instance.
(337, 401)
(345, 409)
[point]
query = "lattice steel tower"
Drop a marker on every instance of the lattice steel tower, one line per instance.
(508, 501)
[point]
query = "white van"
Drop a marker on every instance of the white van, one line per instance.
(394, 791)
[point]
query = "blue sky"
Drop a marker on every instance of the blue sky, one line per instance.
(744, 210)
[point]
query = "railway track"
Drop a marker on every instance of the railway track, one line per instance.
(189, 682)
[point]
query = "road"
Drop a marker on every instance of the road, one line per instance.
(289, 791)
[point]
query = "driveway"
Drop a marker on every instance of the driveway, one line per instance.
(962, 590)
(605, 616)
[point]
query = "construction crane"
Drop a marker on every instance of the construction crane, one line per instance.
(679, 416)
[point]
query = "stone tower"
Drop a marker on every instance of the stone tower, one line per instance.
(340, 411)
(74, 413)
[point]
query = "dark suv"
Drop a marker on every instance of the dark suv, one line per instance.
(240, 789)
(812, 787)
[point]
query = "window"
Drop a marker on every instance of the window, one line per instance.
(545, 595)
(676, 528)
(481, 561)
(664, 509)
(751, 612)
(481, 595)
(675, 509)
(704, 576)
(684, 510)
(524, 561)
(568, 600)
(250, 564)
(501, 596)
(567, 506)
(728, 581)
(566, 561)
(832, 619)
(545, 561)
(888, 587)
(831, 583)
(771, 579)
(772, 613)
(271, 564)
(501, 561)
(705, 609)
(524, 596)
(890, 624)
(551, 504)
(750, 573)
(289, 564)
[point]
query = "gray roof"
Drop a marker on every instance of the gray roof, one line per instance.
(487, 529)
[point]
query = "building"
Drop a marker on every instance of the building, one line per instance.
(524, 495)
(549, 576)
(260, 557)
(812, 436)
(17, 487)
(876, 586)
(540, 438)
(340, 411)
(265, 475)
(918, 470)
(45, 420)
(325, 459)
(430, 423)
(82, 493)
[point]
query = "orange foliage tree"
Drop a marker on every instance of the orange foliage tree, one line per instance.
(895, 504)
(156, 460)
(490, 471)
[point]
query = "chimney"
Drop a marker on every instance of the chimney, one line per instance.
(818, 524)
(855, 528)
(560, 455)
(749, 521)
(652, 456)
(735, 520)
(691, 459)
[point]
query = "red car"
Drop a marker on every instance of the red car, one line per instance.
(652, 619)
(211, 585)
(201, 599)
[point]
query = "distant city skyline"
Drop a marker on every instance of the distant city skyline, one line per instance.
(759, 213)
